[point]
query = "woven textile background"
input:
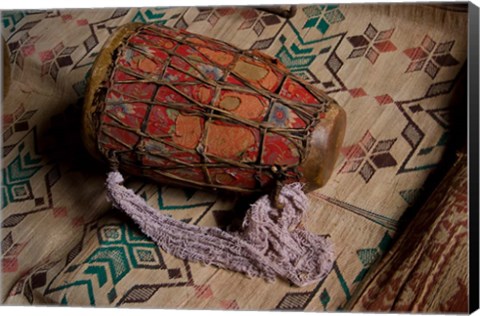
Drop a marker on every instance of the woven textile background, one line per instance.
(392, 67)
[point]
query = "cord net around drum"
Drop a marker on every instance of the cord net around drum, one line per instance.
(143, 42)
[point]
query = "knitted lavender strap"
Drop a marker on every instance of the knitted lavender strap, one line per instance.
(269, 245)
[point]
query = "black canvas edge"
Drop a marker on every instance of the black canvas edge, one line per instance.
(473, 149)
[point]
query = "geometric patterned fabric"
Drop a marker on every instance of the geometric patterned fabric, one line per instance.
(393, 68)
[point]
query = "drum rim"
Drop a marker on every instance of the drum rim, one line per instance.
(100, 72)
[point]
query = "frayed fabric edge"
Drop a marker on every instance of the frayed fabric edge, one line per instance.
(269, 245)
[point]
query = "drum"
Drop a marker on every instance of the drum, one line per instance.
(184, 109)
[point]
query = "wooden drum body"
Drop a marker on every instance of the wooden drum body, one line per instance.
(185, 109)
